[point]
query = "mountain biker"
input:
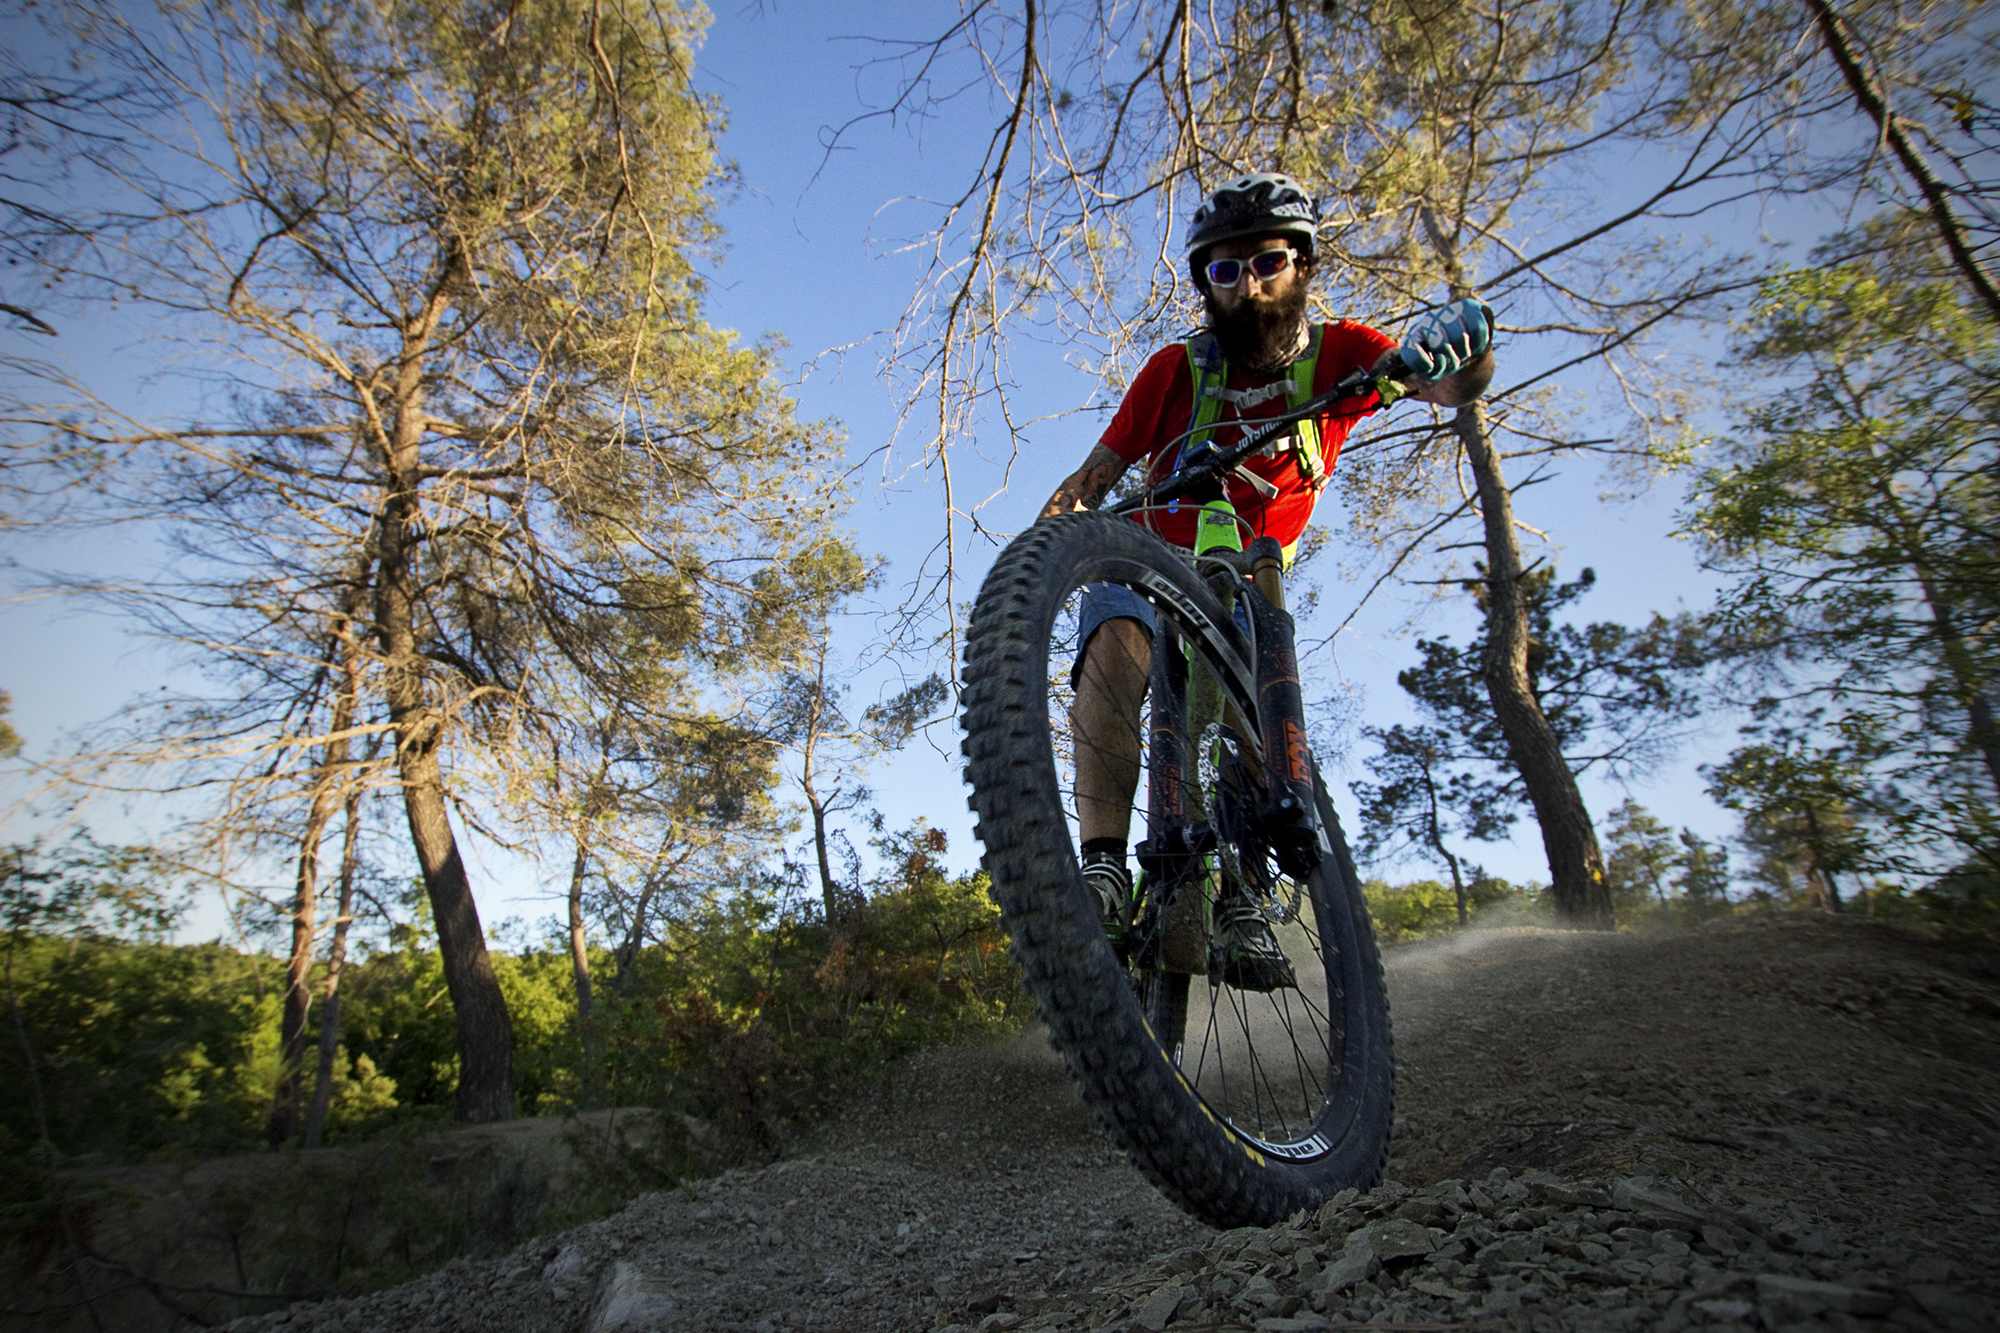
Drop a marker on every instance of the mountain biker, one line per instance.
(1250, 252)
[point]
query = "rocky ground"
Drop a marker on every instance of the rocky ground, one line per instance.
(1769, 1123)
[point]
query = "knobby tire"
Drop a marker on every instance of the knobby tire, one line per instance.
(1096, 1013)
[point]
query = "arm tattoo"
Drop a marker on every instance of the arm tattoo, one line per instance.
(1099, 473)
(1086, 487)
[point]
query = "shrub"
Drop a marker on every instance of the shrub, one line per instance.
(1427, 907)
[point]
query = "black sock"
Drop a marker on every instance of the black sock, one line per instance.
(1116, 846)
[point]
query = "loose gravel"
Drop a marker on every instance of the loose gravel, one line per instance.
(1781, 1123)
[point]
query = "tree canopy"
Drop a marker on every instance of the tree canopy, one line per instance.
(477, 442)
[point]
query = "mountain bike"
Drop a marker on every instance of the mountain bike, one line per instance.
(1241, 1105)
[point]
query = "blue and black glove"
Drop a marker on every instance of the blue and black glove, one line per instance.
(1448, 339)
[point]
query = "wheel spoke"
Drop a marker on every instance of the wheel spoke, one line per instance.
(1254, 1065)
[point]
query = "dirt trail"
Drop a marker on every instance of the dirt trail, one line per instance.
(1780, 1122)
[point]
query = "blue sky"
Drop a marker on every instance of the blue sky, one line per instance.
(843, 229)
(814, 255)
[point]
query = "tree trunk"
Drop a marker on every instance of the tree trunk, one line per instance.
(1986, 734)
(579, 962)
(1968, 682)
(829, 889)
(336, 962)
(626, 952)
(1829, 891)
(1437, 845)
(298, 971)
(1576, 864)
(830, 896)
(333, 779)
(485, 1036)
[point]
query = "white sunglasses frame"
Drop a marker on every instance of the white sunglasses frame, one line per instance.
(1208, 269)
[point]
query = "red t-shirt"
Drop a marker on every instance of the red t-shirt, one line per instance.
(1159, 407)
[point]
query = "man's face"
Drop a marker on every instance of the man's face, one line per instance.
(1250, 289)
(1257, 321)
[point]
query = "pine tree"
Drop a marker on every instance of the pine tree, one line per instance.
(1639, 855)
(1420, 795)
(445, 256)
(1854, 515)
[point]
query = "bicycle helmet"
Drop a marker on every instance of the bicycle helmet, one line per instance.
(1263, 203)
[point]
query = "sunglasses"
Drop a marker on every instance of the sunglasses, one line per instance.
(1265, 265)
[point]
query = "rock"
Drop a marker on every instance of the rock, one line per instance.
(1306, 1323)
(1654, 1205)
(628, 1301)
(1345, 1272)
(1783, 1300)
(1154, 1312)
(1952, 1309)
(1669, 1272)
(1004, 1320)
(1329, 1212)
(1388, 1241)
(1548, 1187)
(1512, 1250)
(1720, 1239)
(1930, 1269)
(1424, 1212)
(566, 1267)
(1259, 1291)
(1726, 1309)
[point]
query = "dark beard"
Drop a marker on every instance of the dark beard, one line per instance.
(1260, 335)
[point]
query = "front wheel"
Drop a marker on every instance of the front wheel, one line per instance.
(1243, 1106)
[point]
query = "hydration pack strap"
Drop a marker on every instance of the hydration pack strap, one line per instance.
(1211, 390)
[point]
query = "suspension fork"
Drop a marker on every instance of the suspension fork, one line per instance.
(1177, 838)
(1171, 859)
(1290, 818)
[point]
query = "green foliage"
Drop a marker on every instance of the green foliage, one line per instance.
(1703, 878)
(1416, 799)
(1614, 696)
(1964, 902)
(138, 1047)
(1656, 875)
(1425, 907)
(747, 1017)
(10, 740)
(1638, 856)
(753, 1013)
(1802, 847)
(1854, 513)
(480, 441)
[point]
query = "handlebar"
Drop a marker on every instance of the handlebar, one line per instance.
(1215, 465)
